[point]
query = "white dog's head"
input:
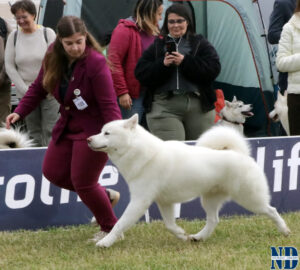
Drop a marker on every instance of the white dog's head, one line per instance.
(14, 138)
(236, 111)
(115, 136)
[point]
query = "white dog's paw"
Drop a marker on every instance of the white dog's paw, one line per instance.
(109, 240)
(104, 243)
(286, 231)
(197, 237)
(183, 237)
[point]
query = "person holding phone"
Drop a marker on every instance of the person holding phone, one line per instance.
(178, 70)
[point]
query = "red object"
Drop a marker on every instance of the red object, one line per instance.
(219, 104)
(124, 51)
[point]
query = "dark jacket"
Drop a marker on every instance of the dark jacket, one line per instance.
(282, 12)
(4, 32)
(200, 67)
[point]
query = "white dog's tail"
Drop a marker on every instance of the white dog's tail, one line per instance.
(221, 138)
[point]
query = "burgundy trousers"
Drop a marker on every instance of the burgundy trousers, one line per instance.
(72, 165)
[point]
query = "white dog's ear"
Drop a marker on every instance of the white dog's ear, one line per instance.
(132, 121)
(234, 99)
(227, 103)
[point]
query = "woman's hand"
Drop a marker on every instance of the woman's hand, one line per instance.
(174, 58)
(11, 119)
(125, 101)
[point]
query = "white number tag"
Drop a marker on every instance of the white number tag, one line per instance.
(80, 103)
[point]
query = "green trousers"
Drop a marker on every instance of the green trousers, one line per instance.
(5, 106)
(40, 121)
(179, 117)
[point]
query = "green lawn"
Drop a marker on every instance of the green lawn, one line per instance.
(238, 243)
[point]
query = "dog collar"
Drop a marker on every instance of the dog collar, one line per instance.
(225, 119)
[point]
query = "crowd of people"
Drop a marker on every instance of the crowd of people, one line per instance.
(68, 90)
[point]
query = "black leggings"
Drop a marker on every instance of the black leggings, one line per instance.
(293, 102)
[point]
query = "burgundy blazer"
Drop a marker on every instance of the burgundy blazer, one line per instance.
(92, 77)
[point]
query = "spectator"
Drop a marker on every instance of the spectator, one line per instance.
(24, 53)
(282, 12)
(287, 60)
(129, 39)
(181, 80)
(5, 105)
(75, 72)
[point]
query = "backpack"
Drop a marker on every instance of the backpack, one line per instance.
(45, 36)
(3, 29)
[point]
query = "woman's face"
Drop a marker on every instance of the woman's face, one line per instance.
(74, 45)
(159, 13)
(25, 20)
(177, 25)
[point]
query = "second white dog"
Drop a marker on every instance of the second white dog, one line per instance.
(235, 113)
(14, 138)
(280, 111)
(168, 172)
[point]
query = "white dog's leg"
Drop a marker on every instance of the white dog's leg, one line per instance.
(211, 204)
(135, 209)
(168, 215)
(272, 213)
(259, 205)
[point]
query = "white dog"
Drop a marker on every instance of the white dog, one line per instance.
(234, 114)
(168, 172)
(280, 112)
(14, 138)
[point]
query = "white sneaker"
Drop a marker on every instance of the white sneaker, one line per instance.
(100, 235)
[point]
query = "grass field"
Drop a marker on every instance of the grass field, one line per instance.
(238, 243)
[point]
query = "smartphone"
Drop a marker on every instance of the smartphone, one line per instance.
(170, 46)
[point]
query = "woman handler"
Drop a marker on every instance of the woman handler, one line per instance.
(75, 72)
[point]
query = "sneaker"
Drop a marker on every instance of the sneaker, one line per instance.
(100, 235)
(114, 196)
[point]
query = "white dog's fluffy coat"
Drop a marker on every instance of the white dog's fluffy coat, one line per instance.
(168, 172)
(14, 138)
(280, 111)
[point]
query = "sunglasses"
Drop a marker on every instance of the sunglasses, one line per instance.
(179, 21)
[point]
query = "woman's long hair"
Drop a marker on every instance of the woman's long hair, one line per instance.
(181, 11)
(145, 13)
(56, 58)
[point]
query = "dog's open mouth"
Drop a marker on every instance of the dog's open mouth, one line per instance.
(247, 113)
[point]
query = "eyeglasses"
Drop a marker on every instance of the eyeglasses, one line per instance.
(24, 17)
(179, 21)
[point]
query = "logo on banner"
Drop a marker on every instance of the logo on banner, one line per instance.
(284, 258)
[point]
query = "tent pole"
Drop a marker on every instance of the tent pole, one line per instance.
(264, 35)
